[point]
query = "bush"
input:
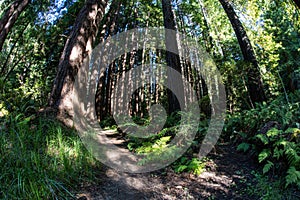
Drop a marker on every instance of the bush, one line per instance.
(271, 133)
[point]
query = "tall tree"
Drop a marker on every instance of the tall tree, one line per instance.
(254, 84)
(109, 23)
(10, 17)
(172, 58)
(77, 48)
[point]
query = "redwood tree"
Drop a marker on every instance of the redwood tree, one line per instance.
(77, 48)
(10, 17)
(255, 84)
(172, 58)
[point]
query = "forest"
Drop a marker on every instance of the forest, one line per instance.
(159, 99)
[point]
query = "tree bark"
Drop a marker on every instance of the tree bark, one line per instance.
(172, 59)
(254, 83)
(77, 48)
(108, 29)
(10, 17)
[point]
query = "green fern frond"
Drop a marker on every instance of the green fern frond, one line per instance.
(292, 177)
(243, 147)
(262, 138)
(268, 166)
(264, 154)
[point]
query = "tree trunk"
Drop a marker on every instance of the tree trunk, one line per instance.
(77, 48)
(10, 17)
(254, 83)
(172, 59)
(108, 29)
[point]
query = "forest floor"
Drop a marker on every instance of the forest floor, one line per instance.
(227, 176)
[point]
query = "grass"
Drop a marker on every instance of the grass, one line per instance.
(40, 159)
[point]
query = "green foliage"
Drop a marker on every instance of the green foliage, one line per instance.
(18, 100)
(40, 159)
(268, 189)
(193, 165)
(265, 153)
(293, 176)
(279, 147)
(249, 122)
(280, 152)
(108, 123)
(35, 151)
(268, 166)
(157, 148)
(159, 151)
(276, 147)
(243, 147)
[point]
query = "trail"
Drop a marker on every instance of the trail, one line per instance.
(225, 177)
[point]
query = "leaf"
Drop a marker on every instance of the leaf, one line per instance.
(292, 130)
(24, 121)
(273, 132)
(277, 153)
(292, 155)
(180, 168)
(262, 138)
(268, 166)
(281, 142)
(243, 147)
(292, 177)
(263, 155)
(164, 140)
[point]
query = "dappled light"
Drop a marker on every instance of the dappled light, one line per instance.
(137, 99)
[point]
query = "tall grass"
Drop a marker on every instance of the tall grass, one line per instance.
(40, 159)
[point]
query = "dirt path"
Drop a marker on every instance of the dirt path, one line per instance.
(225, 178)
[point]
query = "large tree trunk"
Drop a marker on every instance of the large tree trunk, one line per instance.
(10, 17)
(254, 85)
(77, 48)
(172, 58)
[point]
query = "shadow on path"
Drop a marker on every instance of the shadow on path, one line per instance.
(225, 178)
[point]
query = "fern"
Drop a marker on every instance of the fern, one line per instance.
(292, 177)
(278, 153)
(262, 138)
(281, 142)
(267, 167)
(264, 154)
(180, 168)
(278, 148)
(292, 156)
(195, 166)
(243, 147)
(273, 132)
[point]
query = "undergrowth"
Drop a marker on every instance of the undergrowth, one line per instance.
(268, 189)
(159, 147)
(40, 159)
(271, 134)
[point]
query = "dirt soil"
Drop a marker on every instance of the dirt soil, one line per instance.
(225, 177)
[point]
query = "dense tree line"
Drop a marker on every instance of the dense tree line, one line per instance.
(176, 15)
